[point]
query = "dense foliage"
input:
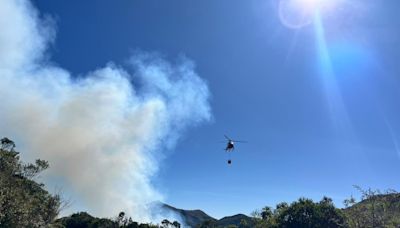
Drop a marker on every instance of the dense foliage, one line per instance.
(376, 209)
(302, 213)
(84, 220)
(23, 202)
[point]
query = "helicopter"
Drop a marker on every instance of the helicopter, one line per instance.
(230, 146)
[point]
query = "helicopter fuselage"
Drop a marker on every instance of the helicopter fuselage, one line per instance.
(230, 146)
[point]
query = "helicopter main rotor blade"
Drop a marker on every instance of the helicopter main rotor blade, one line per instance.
(239, 141)
(227, 137)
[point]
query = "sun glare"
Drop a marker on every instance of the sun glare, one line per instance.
(313, 5)
(299, 13)
(310, 3)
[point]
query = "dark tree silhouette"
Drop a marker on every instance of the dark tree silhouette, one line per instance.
(23, 202)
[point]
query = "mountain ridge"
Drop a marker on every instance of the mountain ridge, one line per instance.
(196, 217)
(191, 217)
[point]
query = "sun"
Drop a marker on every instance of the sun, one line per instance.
(299, 13)
(312, 3)
(321, 5)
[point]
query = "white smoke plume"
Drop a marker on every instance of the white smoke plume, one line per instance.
(102, 134)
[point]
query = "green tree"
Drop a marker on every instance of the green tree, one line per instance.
(23, 202)
(306, 213)
(302, 213)
(266, 213)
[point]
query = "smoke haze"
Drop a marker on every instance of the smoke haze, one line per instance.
(102, 133)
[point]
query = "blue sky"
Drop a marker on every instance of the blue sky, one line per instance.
(320, 109)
